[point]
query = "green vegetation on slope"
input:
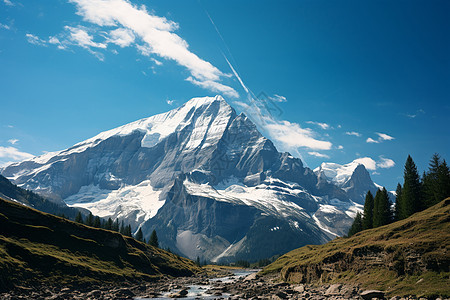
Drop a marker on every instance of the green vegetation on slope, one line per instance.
(38, 248)
(410, 256)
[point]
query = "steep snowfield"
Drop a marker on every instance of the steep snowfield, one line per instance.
(264, 197)
(140, 202)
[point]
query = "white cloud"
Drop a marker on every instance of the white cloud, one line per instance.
(8, 154)
(8, 2)
(324, 126)
(371, 140)
(384, 136)
(292, 135)
(13, 141)
(381, 138)
(278, 98)
(353, 133)
(157, 35)
(317, 154)
(340, 147)
(157, 62)
(372, 165)
(83, 39)
(368, 162)
(170, 102)
(4, 26)
(122, 37)
(214, 86)
(32, 39)
(55, 41)
(385, 163)
(10, 126)
(417, 113)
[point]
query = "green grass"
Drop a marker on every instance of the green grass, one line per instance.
(38, 248)
(392, 257)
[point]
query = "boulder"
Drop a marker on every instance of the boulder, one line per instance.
(370, 294)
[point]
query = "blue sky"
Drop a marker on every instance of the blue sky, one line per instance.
(343, 80)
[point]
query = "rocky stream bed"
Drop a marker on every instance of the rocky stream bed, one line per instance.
(239, 285)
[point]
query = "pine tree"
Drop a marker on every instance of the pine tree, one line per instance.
(357, 225)
(411, 191)
(90, 219)
(109, 224)
(367, 221)
(97, 222)
(382, 213)
(79, 218)
(398, 202)
(139, 236)
(436, 182)
(128, 230)
(444, 181)
(122, 228)
(153, 239)
(115, 225)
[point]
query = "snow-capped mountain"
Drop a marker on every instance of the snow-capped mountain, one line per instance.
(204, 178)
(352, 178)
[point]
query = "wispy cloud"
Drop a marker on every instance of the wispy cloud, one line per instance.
(121, 23)
(11, 154)
(13, 141)
(170, 102)
(317, 154)
(381, 138)
(340, 147)
(278, 98)
(35, 40)
(416, 114)
(4, 26)
(384, 136)
(293, 136)
(214, 86)
(354, 133)
(8, 2)
(321, 125)
(157, 35)
(371, 140)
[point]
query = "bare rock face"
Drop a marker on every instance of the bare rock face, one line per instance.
(204, 177)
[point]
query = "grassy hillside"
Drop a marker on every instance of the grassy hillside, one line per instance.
(407, 257)
(38, 248)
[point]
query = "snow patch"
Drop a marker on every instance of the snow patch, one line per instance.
(140, 199)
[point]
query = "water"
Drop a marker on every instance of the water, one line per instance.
(199, 291)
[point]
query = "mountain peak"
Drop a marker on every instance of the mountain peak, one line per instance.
(199, 101)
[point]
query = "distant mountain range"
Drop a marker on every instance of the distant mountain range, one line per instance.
(206, 179)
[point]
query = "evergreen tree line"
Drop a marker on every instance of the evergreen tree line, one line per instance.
(416, 194)
(97, 222)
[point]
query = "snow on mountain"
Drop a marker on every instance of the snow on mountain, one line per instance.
(352, 177)
(206, 179)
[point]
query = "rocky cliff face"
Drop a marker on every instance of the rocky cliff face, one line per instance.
(204, 177)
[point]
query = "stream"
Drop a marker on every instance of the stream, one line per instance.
(199, 291)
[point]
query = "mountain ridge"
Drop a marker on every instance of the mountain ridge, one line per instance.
(131, 173)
